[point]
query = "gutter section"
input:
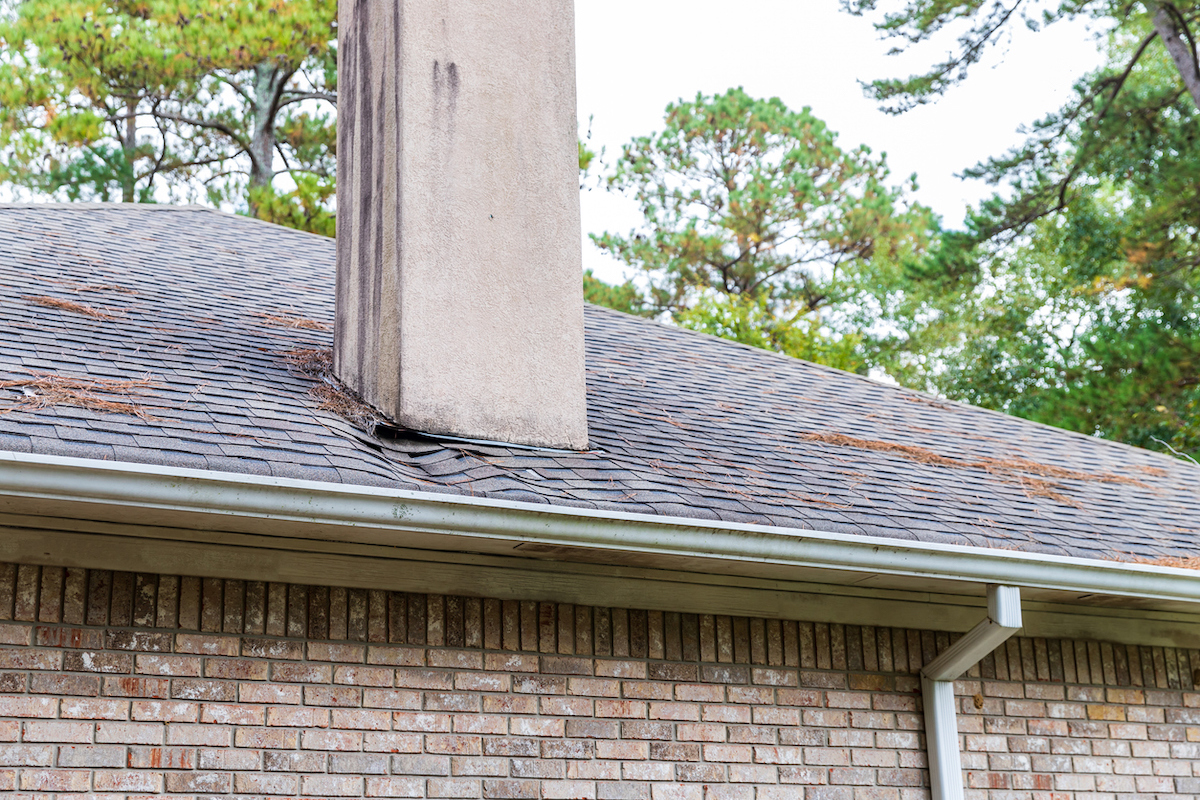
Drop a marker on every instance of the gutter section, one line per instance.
(937, 688)
(199, 500)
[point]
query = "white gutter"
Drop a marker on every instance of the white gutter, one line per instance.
(937, 688)
(142, 494)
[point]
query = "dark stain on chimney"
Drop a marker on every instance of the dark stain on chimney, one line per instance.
(446, 85)
(369, 229)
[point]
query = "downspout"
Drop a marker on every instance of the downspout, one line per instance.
(937, 687)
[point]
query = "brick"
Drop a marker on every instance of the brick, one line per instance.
(398, 699)
(621, 709)
(269, 693)
(451, 701)
(433, 766)
(454, 787)
(145, 641)
(286, 761)
(465, 766)
(536, 768)
(298, 717)
(43, 707)
(272, 648)
(699, 773)
(58, 780)
(416, 721)
(453, 744)
(510, 746)
(242, 669)
(693, 732)
(396, 656)
(66, 732)
(161, 758)
(199, 689)
(153, 688)
(358, 763)
(568, 790)
(647, 690)
(233, 759)
(510, 790)
(163, 711)
(527, 726)
(267, 738)
(510, 662)
(88, 639)
(128, 781)
(91, 708)
(480, 723)
(395, 787)
(129, 733)
(594, 687)
(22, 658)
(265, 784)
(380, 742)
(362, 719)
(728, 714)
(700, 693)
(686, 712)
(625, 790)
(199, 782)
(510, 704)
(301, 673)
(28, 755)
(76, 685)
(331, 740)
(676, 791)
(591, 729)
(363, 676)
(208, 645)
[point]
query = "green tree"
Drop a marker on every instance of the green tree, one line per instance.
(144, 99)
(1075, 299)
(985, 23)
(754, 216)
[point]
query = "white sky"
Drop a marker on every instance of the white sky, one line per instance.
(635, 56)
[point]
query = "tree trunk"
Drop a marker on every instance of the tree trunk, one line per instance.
(269, 82)
(1167, 26)
(129, 147)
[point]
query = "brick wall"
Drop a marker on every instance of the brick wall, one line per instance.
(122, 685)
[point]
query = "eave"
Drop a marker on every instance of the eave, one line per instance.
(75, 512)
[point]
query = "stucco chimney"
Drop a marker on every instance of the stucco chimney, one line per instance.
(459, 299)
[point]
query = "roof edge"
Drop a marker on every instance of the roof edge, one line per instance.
(202, 500)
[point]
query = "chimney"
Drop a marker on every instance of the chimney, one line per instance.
(459, 298)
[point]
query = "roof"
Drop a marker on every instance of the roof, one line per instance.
(215, 328)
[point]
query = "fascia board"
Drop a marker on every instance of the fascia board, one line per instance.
(200, 500)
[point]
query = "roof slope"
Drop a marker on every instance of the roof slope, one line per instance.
(209, 306)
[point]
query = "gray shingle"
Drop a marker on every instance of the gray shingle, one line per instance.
(681, 424)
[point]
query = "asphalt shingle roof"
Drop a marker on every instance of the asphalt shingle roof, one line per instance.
(206, 306)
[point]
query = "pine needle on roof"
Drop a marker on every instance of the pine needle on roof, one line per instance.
(1179, 562)
(329, 392)
(286, 320)
(1033, 477)
(69, 305)
(107, 395)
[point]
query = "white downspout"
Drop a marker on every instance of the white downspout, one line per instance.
(937, 687)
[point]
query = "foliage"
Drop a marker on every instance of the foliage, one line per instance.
(1078, 303)
(753, 322)
(752, 205)
(622, 297)
(144, 100)
(986, 23)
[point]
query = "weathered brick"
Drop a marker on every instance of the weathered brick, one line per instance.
(57, 780)
(28, 755)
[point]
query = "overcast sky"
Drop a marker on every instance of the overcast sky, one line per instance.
(634, 56)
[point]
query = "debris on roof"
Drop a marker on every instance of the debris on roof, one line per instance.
(681, 424)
